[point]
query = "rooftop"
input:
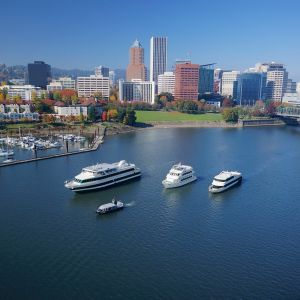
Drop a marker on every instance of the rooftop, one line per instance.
(136, 44)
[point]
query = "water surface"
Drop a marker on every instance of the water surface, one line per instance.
(167, 244)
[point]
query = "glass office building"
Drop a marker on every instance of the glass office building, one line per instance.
(251, 87)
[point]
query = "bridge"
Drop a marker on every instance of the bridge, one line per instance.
(290, 115)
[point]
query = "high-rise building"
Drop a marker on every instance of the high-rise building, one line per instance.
(277, 78)
(251, 87)
(158, 57)
(230, 83)
(39, 74)
(291, 86)
(206, 79)
(298, 88)
(89, 86)
(136, 68)
(112, 77)
(137, 90)
(166, 83)
(186, 81)
(103, 71)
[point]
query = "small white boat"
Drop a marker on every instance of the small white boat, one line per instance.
(110, 207)
(224, 181)
(9, 160)
(179, 175)
(7, 153)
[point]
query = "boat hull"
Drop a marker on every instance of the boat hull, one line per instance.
(223, 189)
(99, 212)
(171, 185)
(103, 185)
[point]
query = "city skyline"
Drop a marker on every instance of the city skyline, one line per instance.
(235, 35)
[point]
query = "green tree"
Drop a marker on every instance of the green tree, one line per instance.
(130, 117)
(230, 115)
(121, 114)
(98, 95)
(56, 96)
(91, 114)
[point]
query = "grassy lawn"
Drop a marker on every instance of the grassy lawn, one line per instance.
(161, 116)
(16, 126)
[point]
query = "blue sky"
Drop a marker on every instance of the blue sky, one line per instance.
(83, 34)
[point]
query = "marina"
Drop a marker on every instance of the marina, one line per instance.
(26, 149)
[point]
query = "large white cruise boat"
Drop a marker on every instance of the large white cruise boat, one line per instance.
(224, 181)
(103, 175)
(179, 175)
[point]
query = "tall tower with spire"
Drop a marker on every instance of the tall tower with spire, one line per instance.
(136, 68)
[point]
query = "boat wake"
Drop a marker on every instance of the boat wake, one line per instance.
(130, 204)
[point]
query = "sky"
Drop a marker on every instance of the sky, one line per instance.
(69, 34)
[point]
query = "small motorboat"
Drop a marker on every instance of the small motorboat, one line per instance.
(114, 205)
(9, 160)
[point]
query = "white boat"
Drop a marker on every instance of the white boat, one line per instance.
(6, 153)
(224, 181)
(79, 138)
(103, 175)
(179, 175)
(114, 205)
(9, 160)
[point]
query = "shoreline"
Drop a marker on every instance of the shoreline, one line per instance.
(120, 129)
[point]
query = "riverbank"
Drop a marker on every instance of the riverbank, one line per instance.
(117, 128)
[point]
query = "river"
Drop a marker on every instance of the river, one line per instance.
(166, 244)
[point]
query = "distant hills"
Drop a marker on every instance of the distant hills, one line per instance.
(19, 72)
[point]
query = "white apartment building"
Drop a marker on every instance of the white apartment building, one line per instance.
(16, 112)
(54, 86)
(166, 83)
(74, 110)
(24, 91)
(63, 83)
(298, 88)
(291, 98)
(230, 83)
(158, 57)
(137, 90)
(23, 108)
(88, 86)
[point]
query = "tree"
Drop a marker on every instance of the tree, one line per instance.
(230, 115)
(91, 113)
(163, 98)
(74, 99)
(130, 117)
(121, 114)
(270, 107)
(5, 93)
(81, 117)
(227, 102)
(113, 114)
(56, 96)
(104, 116)
(98, 95)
